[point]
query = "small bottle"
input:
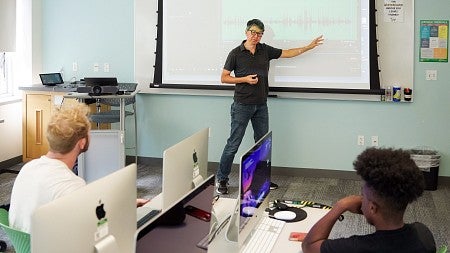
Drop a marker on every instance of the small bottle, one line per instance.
(388, 94)
(396, 93)
(407, 94)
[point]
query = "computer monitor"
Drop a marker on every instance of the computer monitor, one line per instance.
(185, 165)
(160, 236)
(100, 217)
(254, 187)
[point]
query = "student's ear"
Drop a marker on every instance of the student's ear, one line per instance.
(82, 143)
(373, 207)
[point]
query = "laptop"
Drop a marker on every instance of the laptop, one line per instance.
(51, 79)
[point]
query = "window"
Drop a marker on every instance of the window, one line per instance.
(6, 66)
(16, 67)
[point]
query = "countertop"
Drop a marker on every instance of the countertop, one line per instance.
(65, 87)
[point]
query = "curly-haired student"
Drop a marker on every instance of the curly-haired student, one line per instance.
(391, 181)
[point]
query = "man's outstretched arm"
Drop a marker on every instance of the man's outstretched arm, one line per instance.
(289, 53)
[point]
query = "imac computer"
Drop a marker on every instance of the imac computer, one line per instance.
(184, 167)
(193, 212)
(100, 217)
(254, 187)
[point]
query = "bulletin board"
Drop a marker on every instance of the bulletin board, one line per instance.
(433, 41)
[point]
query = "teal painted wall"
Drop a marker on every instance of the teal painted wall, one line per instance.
(318, 134)
(88, 32)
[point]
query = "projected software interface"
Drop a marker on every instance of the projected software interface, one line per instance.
(341, 62)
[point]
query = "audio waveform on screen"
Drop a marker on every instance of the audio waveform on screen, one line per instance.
(296, 28)
(294, 19)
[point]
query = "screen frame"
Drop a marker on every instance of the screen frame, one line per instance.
(375, 87)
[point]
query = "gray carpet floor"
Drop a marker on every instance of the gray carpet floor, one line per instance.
(431, 209)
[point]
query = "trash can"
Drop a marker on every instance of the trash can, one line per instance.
(428, 162)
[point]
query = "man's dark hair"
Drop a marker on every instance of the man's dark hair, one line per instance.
(392, 174)
(255, 22)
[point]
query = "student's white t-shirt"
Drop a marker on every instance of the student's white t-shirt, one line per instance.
(39, 182)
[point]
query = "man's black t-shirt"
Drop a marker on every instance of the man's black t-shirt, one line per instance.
(243, 63)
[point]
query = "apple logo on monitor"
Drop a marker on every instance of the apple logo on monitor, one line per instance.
(194, 157)
(102, 223)
(100, 211)
(196, 169)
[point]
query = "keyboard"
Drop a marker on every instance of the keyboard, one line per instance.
(147, 217)
(204, 242)
(264, 236)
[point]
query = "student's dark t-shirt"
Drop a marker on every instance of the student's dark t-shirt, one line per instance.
(412, 238)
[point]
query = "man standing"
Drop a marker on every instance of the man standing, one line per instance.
(250, 64)
(391, 180)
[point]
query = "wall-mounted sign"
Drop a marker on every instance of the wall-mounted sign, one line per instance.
(433, 41)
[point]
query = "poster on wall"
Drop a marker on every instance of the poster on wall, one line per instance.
(394, 11)
(433, 41)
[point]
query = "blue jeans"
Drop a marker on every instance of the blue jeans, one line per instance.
(241, 114)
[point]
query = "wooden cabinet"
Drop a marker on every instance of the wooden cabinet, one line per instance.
(36, 115)
(37, 109)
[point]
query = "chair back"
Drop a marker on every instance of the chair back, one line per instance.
(20, 240)
(442, 249)
(126, 87)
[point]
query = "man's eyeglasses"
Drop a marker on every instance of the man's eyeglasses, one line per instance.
(259, 34)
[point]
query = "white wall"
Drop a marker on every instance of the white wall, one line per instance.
(10, 130)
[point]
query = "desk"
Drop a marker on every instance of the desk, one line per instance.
(224, 207)
(83, 96)
(177, 238)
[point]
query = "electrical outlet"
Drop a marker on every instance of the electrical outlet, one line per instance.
(96, 66)
(375, 140)
(74, 66)
(106, 67)
(431, 75)
(360, 140)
